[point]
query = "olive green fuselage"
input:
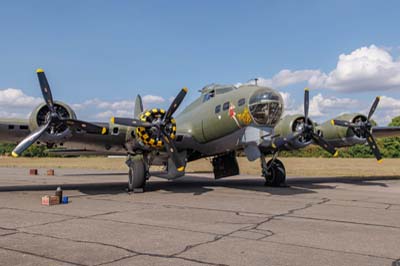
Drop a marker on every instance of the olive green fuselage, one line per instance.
(221, 115)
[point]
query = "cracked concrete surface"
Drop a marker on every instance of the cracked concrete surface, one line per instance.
(198, 221)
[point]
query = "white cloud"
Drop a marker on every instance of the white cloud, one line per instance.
(320, 106)
(388, 108)
(14, 103)
(365, 69)
(323, 106)
(110, 113)
(287, 77)
(150, 99)
(100, 109)
(16, 98)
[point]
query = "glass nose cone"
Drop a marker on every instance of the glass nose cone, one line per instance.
(266, 107)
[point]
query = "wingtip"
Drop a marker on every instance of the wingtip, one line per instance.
(14, 154)
(306, 89)
(332, 122)
(39, 70)
(336, 154)
(112, 120)
(185, 89)
(181, 169)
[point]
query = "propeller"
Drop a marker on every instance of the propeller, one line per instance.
(159, 126)
(305, 130)
(363, 128)
(53, 119)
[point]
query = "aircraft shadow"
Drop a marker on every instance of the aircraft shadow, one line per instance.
(200, 185)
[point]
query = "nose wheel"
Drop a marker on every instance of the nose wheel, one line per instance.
(274, 172)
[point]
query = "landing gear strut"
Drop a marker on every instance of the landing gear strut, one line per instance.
(273, 171)
(137, 173)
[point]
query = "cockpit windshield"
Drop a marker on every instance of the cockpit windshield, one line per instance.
(266, 107)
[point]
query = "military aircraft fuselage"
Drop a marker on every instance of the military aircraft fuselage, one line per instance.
(222, 110)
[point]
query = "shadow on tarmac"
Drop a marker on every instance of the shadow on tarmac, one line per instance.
(200, 185)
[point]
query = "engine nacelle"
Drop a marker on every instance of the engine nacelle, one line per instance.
(291, 124)
(341, 136)
(52, 135)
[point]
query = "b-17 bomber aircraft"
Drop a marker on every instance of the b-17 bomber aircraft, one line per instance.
(221, 122)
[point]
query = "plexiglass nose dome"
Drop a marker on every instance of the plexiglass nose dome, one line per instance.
(266, 107)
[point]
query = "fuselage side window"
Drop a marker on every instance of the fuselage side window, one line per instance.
(217, 108)
(225, 106)
(241, 101)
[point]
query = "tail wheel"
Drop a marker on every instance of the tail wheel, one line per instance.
(151, 136)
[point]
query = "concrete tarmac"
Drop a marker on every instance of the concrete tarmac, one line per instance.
(198, 221)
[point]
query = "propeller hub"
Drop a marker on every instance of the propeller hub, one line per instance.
(152, 136)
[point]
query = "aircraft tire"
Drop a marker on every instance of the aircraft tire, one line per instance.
(137, 175)
(275, 174)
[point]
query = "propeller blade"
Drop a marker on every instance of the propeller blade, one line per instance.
(343, 123)
(45, 87)
(29, 140)
(306, 104)
(325, 145)
(88, 127)
(175, 104)
(373, 146)
(173, 152)
(130, 122)
(373, 107)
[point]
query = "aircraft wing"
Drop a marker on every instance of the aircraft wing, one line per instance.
(78, 152)
(383, 132)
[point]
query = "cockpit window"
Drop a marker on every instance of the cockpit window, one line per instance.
(224, 90)
(208, 95)
(266, 107)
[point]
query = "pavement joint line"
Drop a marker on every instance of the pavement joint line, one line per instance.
(342, 221)
(6, 228)
(255, 226)
(157, 226)
(362, 207)
(136, 253)
(211, 209)
(47, 223)
(117, 260)
(64, 220)
(42, 256)
(327, 249)
(9, 234)
(42, 212)
(81, 241)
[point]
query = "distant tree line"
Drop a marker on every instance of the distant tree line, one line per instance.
(390, 148)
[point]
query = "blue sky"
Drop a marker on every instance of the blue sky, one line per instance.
(108, 51)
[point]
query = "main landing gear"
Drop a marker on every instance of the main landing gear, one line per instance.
(138, 173)
(273, 171)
